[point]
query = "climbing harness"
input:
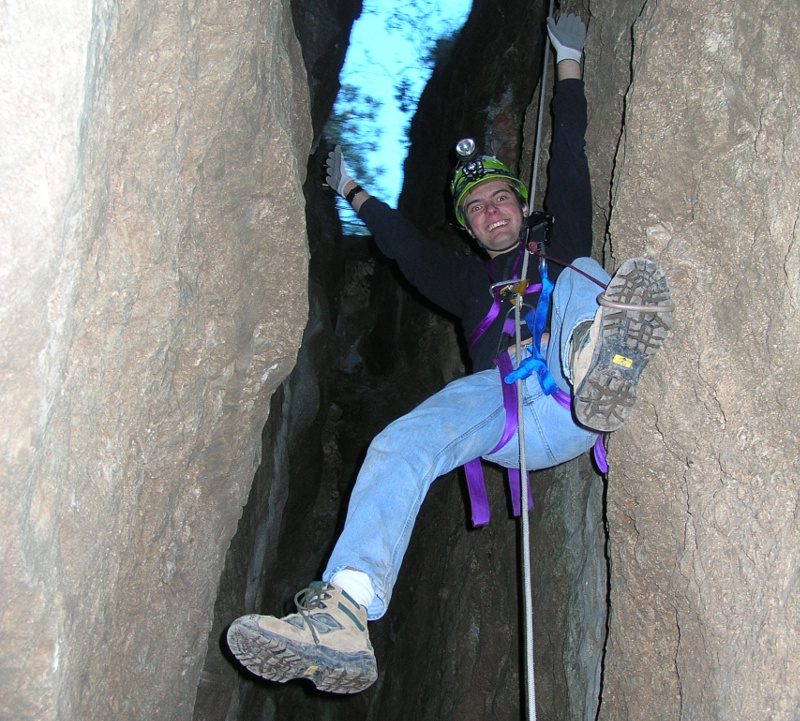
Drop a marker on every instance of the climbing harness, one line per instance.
(535, 363)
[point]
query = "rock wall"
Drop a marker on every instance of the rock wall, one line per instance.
(153, 261)
(703, 489)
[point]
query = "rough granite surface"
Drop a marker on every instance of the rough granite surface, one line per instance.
(702, 496)
(153, 268)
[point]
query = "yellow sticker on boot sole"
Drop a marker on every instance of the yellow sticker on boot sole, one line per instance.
(309, 670)
(621, 360)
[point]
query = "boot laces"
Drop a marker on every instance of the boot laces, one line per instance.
(310, 599)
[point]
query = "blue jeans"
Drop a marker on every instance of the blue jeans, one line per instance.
(461, 422)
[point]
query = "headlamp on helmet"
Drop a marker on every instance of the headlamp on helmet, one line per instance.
(472, 169)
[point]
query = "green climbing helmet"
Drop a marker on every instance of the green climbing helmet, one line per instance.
(473, 169)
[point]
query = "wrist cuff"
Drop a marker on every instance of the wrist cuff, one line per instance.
(567, 53)
(352, 194)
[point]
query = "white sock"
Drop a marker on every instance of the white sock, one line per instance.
(355, 584)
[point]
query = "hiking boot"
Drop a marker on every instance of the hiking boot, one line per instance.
(608, 355)
(326, 642)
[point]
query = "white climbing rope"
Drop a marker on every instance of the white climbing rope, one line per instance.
(538, 141)
(530, 684)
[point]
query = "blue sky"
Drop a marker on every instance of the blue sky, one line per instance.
(378, 57)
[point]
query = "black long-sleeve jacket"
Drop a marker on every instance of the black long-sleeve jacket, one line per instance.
(461, 285)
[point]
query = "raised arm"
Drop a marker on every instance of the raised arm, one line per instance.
(340, 180)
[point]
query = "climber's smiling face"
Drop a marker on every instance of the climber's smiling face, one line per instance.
(494, 216)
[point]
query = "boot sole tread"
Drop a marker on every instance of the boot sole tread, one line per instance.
(628, 340)
(276, 658)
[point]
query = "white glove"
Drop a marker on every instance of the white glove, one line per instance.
(567, 36)
(338, 175)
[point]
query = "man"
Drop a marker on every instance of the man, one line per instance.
(597, 350)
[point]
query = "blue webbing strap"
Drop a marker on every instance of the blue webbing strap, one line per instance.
(535, 363)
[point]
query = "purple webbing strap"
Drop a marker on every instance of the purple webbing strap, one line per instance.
(503, 363)
(600, 455)
(478, 502)
(480, 329)
(563, 398)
